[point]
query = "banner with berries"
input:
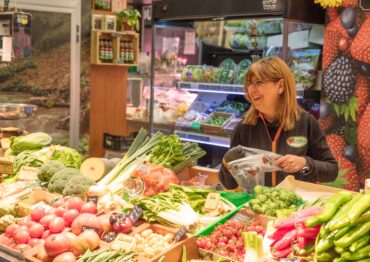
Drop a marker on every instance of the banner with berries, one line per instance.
(345, 107)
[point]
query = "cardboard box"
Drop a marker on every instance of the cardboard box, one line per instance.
(308, 191)
(189, 173)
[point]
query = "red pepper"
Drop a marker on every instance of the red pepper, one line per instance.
(280, 232)
(286, 241)
(282, 253)
(301, 215)
(307, 232)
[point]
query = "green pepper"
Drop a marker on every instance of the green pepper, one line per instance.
(340, 259)
(325, 257)
(339, 250)
(341, 232)
(359, 254)
(324, 244)
(364, 260)
(365, 217)
(330, 208)
(363, 241)
(361, 206)
(306, 250)
(341, 219)
(354, 234)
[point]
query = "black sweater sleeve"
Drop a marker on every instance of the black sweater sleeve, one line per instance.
(322, 164)
(226, 178)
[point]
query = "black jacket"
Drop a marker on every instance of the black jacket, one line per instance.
(306, 139)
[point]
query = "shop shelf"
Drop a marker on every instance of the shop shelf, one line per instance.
(211, 88)
(204, 139)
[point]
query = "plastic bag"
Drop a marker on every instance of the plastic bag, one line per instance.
(250, 170)
(155, 178)
(243, 66)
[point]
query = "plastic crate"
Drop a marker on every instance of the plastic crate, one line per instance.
(117, 143)
(238, 199)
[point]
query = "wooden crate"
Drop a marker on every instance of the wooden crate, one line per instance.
(213, 129)
(116, 38)
(173, 253)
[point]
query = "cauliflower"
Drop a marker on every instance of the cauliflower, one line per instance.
(77, 185)
(48, 169)
(59, 180)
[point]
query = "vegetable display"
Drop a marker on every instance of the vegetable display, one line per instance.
(274, 201)
(29, 142)
(59, 180)
(108, 255)
(48, 169)
(345, 228)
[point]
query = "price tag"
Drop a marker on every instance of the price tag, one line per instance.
(135, 214)
(93, 199)
(239, 217)
(180, 233)
(124, 242)
(28, 173)
(84, 228)
(218, 187)
(212, 201)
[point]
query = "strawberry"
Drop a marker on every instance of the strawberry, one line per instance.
(347, 169)
(332, 13)
(348, 3)
(362, 93)
(363, 136)
(332, 34)
(364, 167)
(326, 123)
(363, 147)
(360, 47)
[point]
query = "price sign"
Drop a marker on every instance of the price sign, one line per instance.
(84, 228)
(365, 5)
(93, 199)
(135, 214)
(28, 173)
(212, 201)
(239, 217)
(180, 233)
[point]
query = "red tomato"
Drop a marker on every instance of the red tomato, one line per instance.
(56, 225)
(46, 234)
(20, 228)
(57, 244)
(35, 242)
(51, 211)
(59, 211)
(59, 203)
(75, 203)
(70, 215)
(10, 229)
(22, 237)
(36, 230)
(89, 207)
(37, 213)
(46, 220)
(30, 223)
(23, 221)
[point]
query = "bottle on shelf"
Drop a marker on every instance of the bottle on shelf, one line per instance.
(110, 51)
(130, 52)
(101, 49)
(122, 51)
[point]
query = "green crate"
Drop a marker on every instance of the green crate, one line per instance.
(238, 199)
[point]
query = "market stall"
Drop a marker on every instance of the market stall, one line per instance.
(154, 205)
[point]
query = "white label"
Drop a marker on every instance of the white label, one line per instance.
(189, 45)
(212, 201)
(28, 173)
(269, 4)
(170, 44)
(7, 49)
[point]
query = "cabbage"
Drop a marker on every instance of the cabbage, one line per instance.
(29, 142)
(67, 156)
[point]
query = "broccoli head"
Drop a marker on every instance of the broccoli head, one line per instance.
(48, 169)
(77, 185)
(59, 180)
(262, 198)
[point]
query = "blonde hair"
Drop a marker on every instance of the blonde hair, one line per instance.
(274, 69)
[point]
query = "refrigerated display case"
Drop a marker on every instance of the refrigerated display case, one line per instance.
(209, 48)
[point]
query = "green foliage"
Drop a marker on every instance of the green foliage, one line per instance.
(131, 16)
(340, 182)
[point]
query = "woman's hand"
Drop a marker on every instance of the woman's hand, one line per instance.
(291, 163)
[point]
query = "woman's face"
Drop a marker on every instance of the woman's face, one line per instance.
(264, 95)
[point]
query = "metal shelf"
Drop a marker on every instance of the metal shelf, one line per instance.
(204, 138)
(211, 88)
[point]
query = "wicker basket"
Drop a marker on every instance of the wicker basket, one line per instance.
(6, 166)
(213, 129)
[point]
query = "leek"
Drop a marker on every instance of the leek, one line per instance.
(142, 145)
